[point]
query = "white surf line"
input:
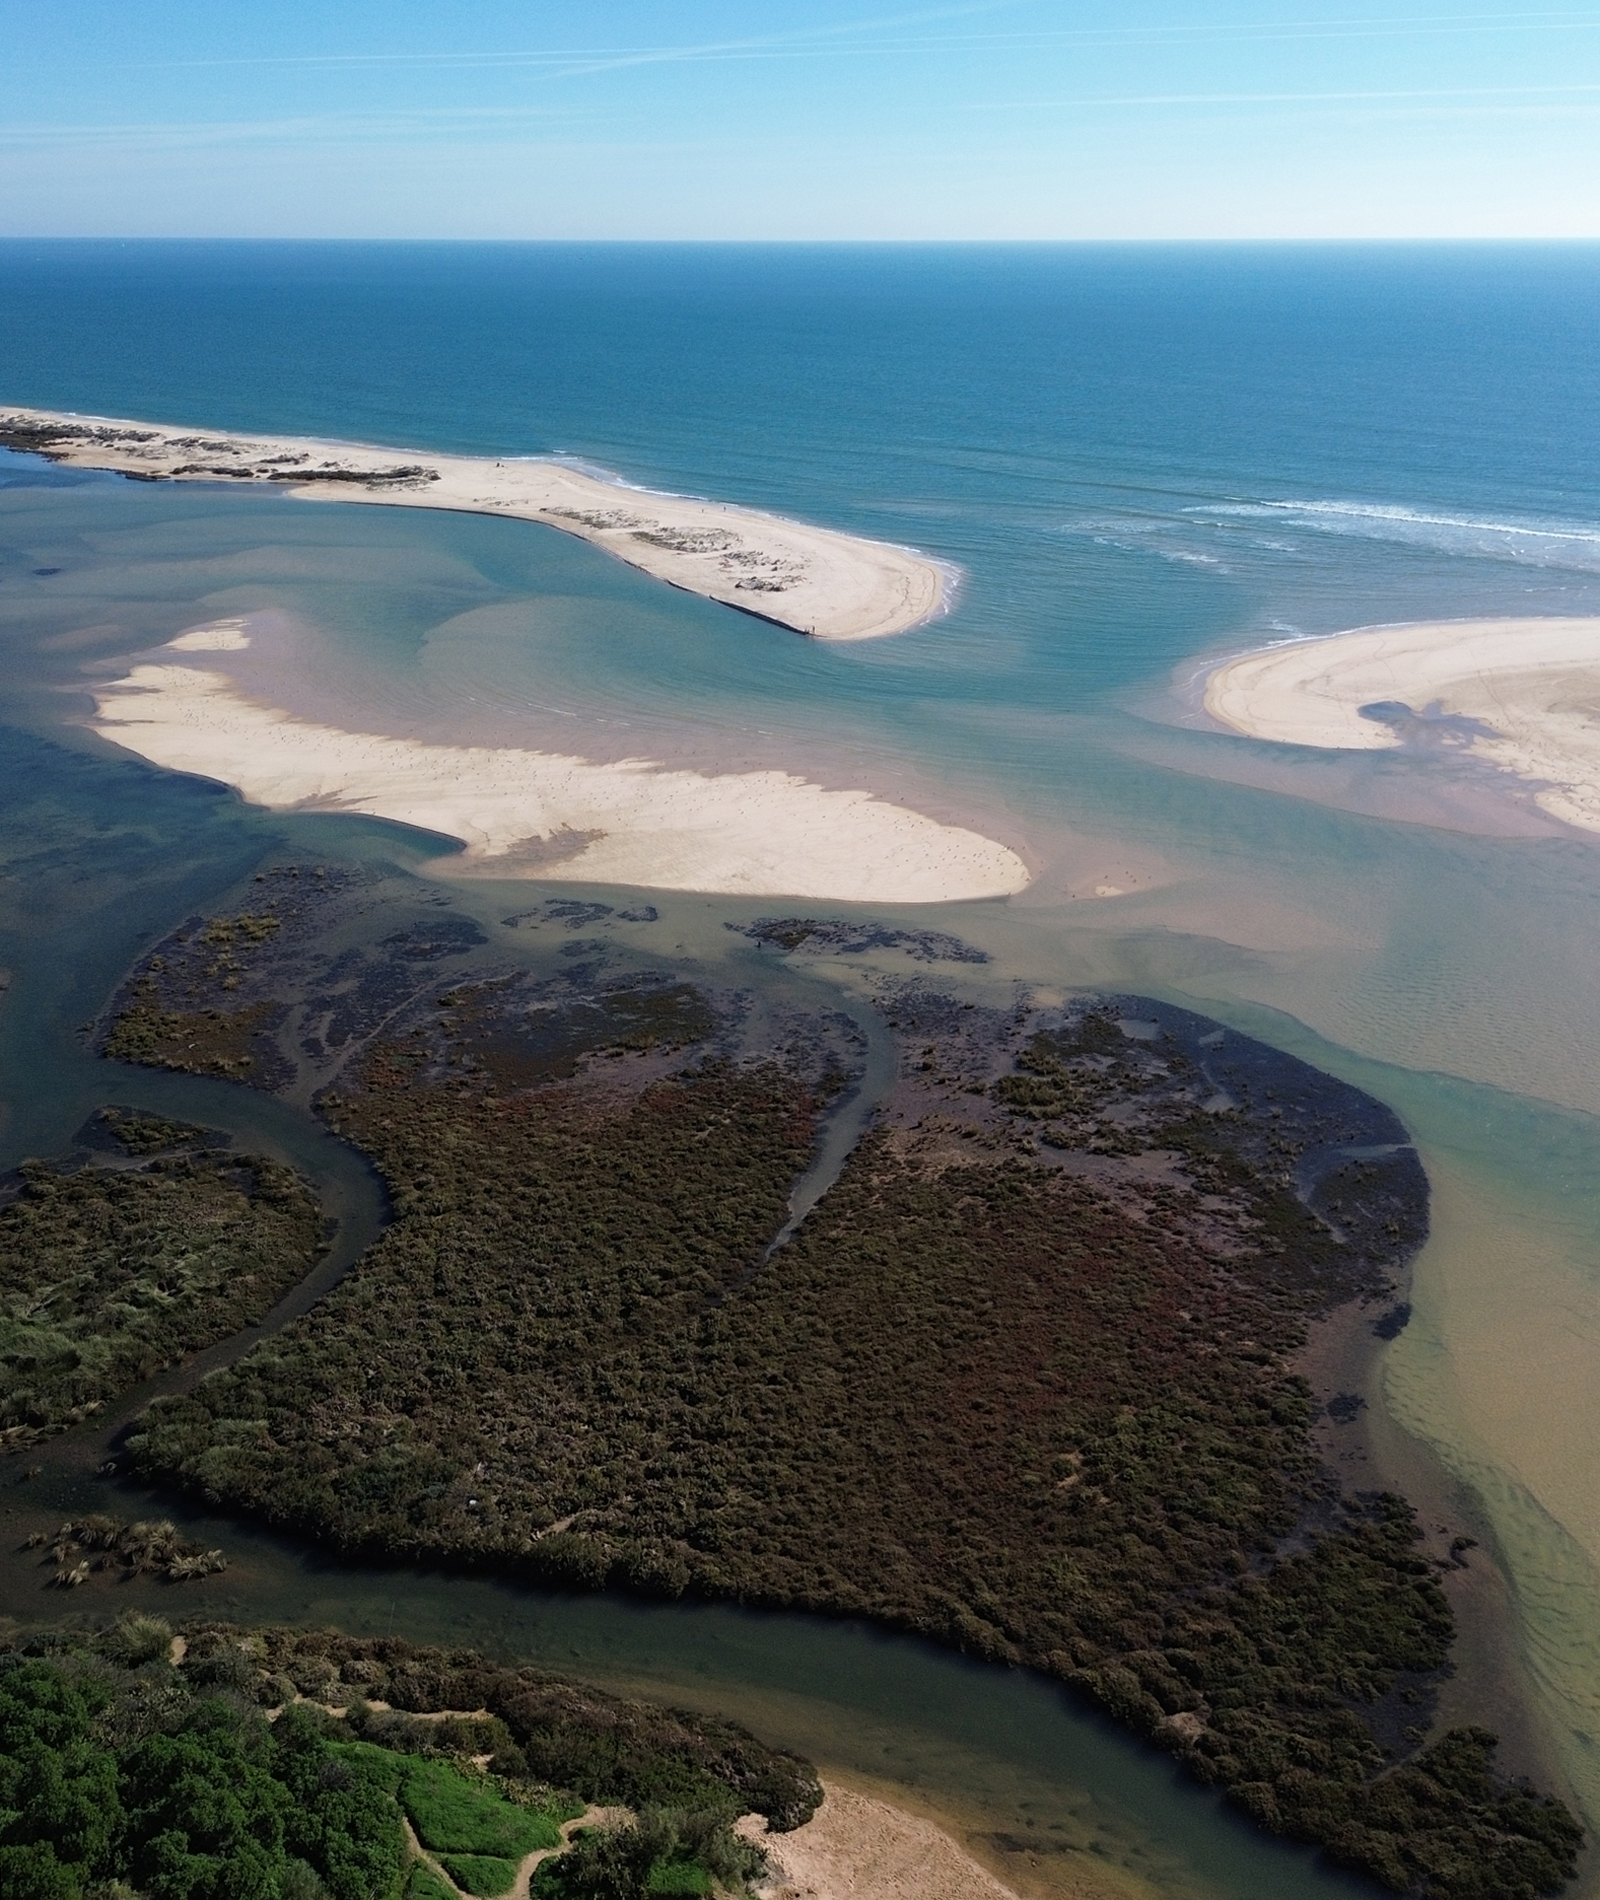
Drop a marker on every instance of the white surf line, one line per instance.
(814, 580)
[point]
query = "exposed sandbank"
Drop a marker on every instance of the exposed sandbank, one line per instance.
(1520, 694)
(815, 580)
(541, 814)
(856, 1848)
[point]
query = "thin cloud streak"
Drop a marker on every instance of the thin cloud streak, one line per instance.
(1372, 96)
(348, 127)
(494, 125)
(605, 58)
(578, 61)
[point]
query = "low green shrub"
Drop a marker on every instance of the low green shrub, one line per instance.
(481, 1874)
(425, 1884)
(109, 1274)
(679, 1877)
(384, 1766)
(666, 1851)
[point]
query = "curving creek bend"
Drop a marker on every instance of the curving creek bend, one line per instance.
(1053, 1798)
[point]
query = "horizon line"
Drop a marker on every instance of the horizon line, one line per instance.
(1347, 239)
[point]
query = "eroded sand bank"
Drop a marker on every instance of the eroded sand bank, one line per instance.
(1520, 694)
(815, 580)
(542, 814)
(856, 1848)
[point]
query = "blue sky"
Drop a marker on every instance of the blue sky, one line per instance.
(799, 119)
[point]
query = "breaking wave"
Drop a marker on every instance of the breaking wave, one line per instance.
(1563, 544)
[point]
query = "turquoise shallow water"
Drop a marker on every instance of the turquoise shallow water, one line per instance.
(1137, 457)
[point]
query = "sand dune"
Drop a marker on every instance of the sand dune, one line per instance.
(541, 814)
(815, 580)
(1520, 694)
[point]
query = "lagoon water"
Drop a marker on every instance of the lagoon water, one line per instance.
(1139, 457)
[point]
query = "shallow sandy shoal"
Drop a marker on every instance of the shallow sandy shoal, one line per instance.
(818, 581)
(1524, 693)
(539, 814)
(857, 1848)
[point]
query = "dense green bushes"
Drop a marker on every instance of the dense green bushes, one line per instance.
(205, 1802)
(116, 1764)
(109, 1274)
(665, 1851)
(539, 1728)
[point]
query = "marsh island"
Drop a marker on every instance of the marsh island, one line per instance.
(1025, 1381)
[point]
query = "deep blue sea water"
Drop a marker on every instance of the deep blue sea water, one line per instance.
(1138, 456)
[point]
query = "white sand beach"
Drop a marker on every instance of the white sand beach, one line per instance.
(1523, 695)
(542, 814)
(856, 1848)
(815, 580)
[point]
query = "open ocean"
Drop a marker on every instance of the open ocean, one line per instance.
(1139, 457)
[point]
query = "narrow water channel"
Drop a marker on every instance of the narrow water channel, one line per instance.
(846, 1120)
(995, 1753)
(1057, 1800)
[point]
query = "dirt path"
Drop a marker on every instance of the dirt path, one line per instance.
(529, 1864)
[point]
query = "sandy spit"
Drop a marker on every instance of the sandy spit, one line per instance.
(815, 580)
(856, 1848)
(1520, 694)
(542, 814)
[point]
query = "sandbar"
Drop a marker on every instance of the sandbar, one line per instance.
(528, 814)
(814, 580)
(856, 1848)
(1520, 694)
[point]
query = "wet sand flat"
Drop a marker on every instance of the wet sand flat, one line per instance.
(1521, 694)
(522, 813)
(856, 1847)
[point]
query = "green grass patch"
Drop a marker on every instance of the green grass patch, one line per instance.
(385, 1766)
(679, 1876)
(483, 1874)
(452, 1815)
(425, 1884)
